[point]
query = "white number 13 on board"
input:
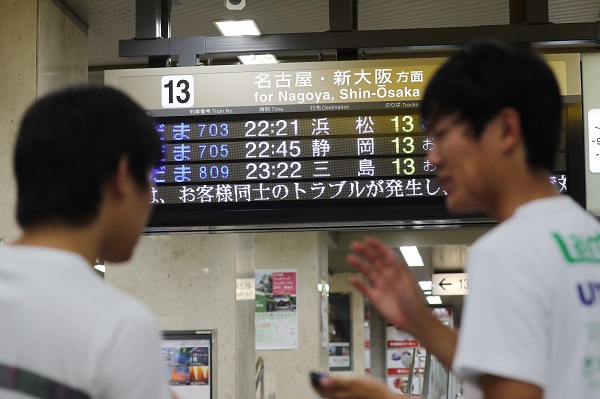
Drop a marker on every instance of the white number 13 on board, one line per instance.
(177, 91)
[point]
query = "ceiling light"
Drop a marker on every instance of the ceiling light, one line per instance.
(248, 27)
(434, 300)
(238, 27)
(258, 59)
(425, 285)
(411, 256)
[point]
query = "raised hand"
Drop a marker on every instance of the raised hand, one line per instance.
(391, 288)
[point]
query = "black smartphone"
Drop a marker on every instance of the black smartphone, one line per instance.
(315, 378)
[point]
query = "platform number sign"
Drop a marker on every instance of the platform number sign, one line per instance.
(177, 91)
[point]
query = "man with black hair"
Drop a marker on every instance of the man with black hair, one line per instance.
(530, 322)
(82, 161)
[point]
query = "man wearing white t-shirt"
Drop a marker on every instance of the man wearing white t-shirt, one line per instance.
(531, 322)
(82, 162)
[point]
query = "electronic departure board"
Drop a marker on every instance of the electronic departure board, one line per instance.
(351, 155)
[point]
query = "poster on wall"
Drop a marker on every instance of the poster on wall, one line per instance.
(404, 353)
(275, 309)
(339, 332)
(188, 367)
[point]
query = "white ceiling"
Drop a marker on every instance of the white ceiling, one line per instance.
(112, 20)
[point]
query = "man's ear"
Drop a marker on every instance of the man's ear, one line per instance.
(511, 136)
(118, 184)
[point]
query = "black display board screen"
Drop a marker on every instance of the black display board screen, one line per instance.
(304, 169)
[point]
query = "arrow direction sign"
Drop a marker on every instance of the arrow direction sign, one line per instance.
(450, 284)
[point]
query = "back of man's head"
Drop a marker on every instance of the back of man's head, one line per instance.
(69, 143)
(483, 78)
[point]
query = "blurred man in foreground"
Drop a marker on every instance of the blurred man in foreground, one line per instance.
(82, 162)
(530, 321)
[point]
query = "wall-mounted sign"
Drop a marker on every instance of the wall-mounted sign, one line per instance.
(244, 289)
(594, 139)
(450, 284)
(329, 142)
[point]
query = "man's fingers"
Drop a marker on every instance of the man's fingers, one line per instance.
(376, 266)
(336, 388)
(329, 387)
(363, 287)
(362, 267)
(378, 256)
(367, 252)
(385, 254)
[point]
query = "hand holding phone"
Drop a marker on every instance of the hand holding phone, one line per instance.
(315, 378)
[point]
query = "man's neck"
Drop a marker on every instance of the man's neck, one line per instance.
(533, 186)
(78, 240)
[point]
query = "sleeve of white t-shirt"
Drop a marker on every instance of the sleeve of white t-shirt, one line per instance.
(505, 320)
(129, 346)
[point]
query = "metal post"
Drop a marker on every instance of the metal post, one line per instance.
(148, 19)
(343, 17)
(528, 12)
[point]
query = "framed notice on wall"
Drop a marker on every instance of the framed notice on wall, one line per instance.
(188, 360)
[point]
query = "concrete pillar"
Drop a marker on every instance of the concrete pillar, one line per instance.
(189, 283)
(287, 371)
(245, 359)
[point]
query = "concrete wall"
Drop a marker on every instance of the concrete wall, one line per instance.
(62, 56)
(45, 51)
(189, 282)
(18, 79)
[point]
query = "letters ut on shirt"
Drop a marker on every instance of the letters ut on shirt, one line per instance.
(582, 250)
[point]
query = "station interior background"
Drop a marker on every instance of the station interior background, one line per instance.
(109, 21)
(444, 249)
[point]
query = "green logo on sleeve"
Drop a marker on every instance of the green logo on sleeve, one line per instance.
(579, 249)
